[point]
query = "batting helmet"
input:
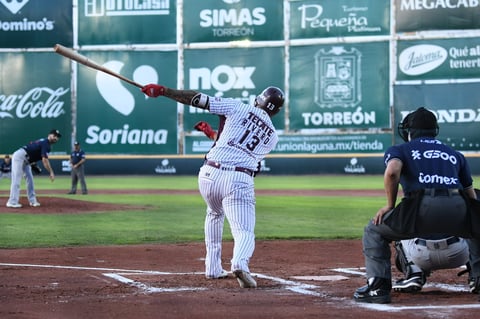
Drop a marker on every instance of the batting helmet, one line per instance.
(419, 123)
(270, 100)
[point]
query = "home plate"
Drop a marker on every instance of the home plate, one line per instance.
(321, 278)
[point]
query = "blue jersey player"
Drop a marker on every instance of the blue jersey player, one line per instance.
(22, 158)
(437, 187)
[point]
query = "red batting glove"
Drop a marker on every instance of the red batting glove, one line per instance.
(153, 90)
(205, 128)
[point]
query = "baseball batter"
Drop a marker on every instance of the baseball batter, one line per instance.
(226, 179)
(21, 160)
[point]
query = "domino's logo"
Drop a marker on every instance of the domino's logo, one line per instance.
(14, 5)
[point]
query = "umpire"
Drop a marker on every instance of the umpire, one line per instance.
(438, 194)
(77, 159)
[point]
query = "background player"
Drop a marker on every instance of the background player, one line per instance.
(77, 159)
(6, 167)
(21, 160)
(226, 178)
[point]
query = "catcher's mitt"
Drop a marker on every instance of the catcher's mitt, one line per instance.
(36, 170)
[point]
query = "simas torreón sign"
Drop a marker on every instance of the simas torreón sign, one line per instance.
(30, 109)
(34, 23)
(232, 20)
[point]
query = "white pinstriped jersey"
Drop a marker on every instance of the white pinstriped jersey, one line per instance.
(247, 137)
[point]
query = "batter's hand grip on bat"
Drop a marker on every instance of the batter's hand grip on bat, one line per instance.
(75, 56)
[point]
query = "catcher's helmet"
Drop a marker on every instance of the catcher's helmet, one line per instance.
(270, 100)
(419, 123)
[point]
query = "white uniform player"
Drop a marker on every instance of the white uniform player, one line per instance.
(225, 180)
(418, 257)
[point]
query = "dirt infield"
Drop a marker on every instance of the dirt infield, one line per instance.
(296, 279)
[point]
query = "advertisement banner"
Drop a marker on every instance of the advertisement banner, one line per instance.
(35, 98)
(235, 73)
(227, 20)
(35, 24)
(310, 144)
(114, 117)
(455, 105)
(341, 18)
(132, 21)
(438, 59)
(414, 15)
(344, 86)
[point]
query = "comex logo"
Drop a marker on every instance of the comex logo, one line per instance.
(115, 93)
(14, 6)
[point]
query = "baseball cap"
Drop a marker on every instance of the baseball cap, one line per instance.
(76, 143)
(56, 132)
(421, 119)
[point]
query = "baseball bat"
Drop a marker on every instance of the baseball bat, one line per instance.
(69, 53)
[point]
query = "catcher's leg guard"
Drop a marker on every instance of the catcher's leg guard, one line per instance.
(402, 263)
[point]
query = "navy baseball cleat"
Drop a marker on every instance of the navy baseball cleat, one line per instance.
(377, 290)
(412, 284)
(474, 284)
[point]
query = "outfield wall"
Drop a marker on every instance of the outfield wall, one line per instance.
(348, 164)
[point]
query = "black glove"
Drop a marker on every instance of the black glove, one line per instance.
(36, 170)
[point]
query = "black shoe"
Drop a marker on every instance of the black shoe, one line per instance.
(71, 193)
(413, 283)
(377, 290)
(474, 284)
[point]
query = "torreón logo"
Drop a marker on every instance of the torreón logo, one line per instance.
(39, 102)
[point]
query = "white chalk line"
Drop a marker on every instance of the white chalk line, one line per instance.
(293, 286)
(120, 275)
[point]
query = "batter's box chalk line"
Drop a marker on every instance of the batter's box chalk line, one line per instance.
(121, 276)
(293, 286)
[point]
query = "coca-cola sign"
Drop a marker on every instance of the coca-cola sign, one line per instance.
(38, 102)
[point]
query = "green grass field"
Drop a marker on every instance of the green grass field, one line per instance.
(180, 218)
